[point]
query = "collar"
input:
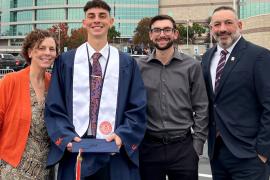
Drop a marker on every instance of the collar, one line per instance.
(104, 51)
(176, 55)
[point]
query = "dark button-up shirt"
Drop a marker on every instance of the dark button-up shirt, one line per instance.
(176, 97)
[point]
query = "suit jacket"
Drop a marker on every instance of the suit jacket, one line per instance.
(240, 108)
(130, 116)
(15, 114)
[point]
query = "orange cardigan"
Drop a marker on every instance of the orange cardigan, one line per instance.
(15, 114)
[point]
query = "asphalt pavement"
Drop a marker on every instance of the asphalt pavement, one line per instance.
(204, 166)
(204, 169)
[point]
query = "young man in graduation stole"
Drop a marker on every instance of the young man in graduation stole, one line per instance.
(119, 106)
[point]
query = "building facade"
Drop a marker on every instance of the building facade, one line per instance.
(250, 8)
(191, 10)
(187, 12)
(18, 17)
(255, 15)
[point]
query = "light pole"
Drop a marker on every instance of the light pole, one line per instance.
(211, 40)
(119, 26)
(59, 39)
(187, 32)
(234, 5)
(114, 9)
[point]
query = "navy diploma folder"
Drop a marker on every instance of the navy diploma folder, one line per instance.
(95, 146)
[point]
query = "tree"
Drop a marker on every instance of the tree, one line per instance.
(112, 34)
(196, 30)
(77, 37)
(142, 32)
(182, 33)
(61, 32)
(182, 39)
(208, 37)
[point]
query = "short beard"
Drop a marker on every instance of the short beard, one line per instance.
(234, 37)
(169, 45)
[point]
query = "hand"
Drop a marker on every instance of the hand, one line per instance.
(116, 138)
(262, 158)
(69, 145)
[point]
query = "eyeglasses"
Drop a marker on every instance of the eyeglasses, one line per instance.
(166, 31)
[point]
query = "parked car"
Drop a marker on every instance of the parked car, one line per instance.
(8, 61)
(138, 57)
(20, 62)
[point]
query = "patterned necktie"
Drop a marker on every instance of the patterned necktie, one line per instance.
(220, 67)
(96, 83)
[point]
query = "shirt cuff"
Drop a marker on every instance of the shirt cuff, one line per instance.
(198, 146)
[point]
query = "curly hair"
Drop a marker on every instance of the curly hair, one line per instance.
(33, 40)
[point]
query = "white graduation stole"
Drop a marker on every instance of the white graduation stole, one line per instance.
(81, 95)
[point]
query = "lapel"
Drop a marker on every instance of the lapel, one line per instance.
(123, 70)
(208, 74)
(122, 85)
(233, 59)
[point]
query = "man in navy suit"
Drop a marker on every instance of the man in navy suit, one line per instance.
(119, 101)
(237, 76)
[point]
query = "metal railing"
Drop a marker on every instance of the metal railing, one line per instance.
(5, 71)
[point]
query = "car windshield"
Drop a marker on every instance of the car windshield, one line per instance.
(8, 56)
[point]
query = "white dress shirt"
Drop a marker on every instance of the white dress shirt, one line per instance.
(215, 60)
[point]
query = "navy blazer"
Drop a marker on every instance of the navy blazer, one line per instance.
(130, 116)
(240, 108)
